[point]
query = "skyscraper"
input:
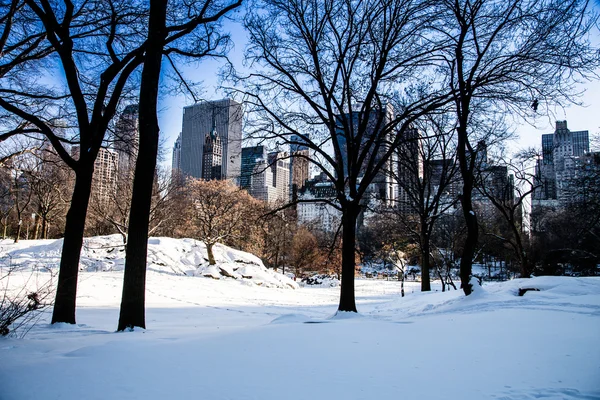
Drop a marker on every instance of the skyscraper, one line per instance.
(408, 161)
(176, 161)
(279, 162)
(265, 176)
(224, 117)
(383, 185)
(250, 157)
(127, 139)
(562, 155)
(557, 167)
(212, 157)
(104, 181)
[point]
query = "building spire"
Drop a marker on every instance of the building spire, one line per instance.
(213, 133)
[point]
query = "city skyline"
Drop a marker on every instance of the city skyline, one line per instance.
(529, 135)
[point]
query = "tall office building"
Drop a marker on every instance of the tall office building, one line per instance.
(104, 180)
(557, 168)
(212, 157)
(224, 117)
(176, 160)
(279, 162)
(127, 139)
(265, 176)
(250, 157)
(563, 153)
(407, 170)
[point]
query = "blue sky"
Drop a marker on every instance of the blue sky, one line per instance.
(584, 117)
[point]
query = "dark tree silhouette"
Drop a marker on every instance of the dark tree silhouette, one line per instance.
(501, 56)
(335, 76)
(97, 47)
(180, 36)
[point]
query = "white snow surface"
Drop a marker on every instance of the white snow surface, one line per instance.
(233, 339)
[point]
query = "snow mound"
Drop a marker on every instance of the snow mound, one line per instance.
(165, 255)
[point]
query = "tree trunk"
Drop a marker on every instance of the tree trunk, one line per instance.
(523, 260)
(466, 260)
(467, 164)
(132, 311)
(66, 292)
(349, 217)
(439, 272)
(37, 228)
(425, 265)
(211, 255)
(525, 268)
(402, 283)
(20, 224)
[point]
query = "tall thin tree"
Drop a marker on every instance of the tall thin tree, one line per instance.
(181, 37)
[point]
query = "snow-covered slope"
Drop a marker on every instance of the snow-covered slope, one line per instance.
(165, 255)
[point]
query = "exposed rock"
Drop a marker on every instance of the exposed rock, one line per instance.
(522, 291)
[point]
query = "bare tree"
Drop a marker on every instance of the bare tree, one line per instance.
(219, 211)
(335, 76)
(99, 37)
(51, 186)
(427, 177)
(278, 230)
(113, 210)
(21, 192)
(507, 194)
(304, 252)
(511, 56)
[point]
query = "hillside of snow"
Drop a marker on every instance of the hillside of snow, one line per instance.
(165, 255)
(233, 339)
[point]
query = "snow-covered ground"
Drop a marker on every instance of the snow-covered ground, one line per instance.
(233, 339)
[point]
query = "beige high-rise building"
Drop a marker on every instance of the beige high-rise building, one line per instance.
(104, 181)
(265, 176)
(299, 171)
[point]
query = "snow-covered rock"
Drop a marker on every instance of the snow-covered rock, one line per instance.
(165, 255)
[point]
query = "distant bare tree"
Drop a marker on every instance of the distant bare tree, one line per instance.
(304, 252)
(218, 211)
(51, 185)
(428, 179)
(278, 230)
(508, 199)
(21, 191)
(113, 211)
